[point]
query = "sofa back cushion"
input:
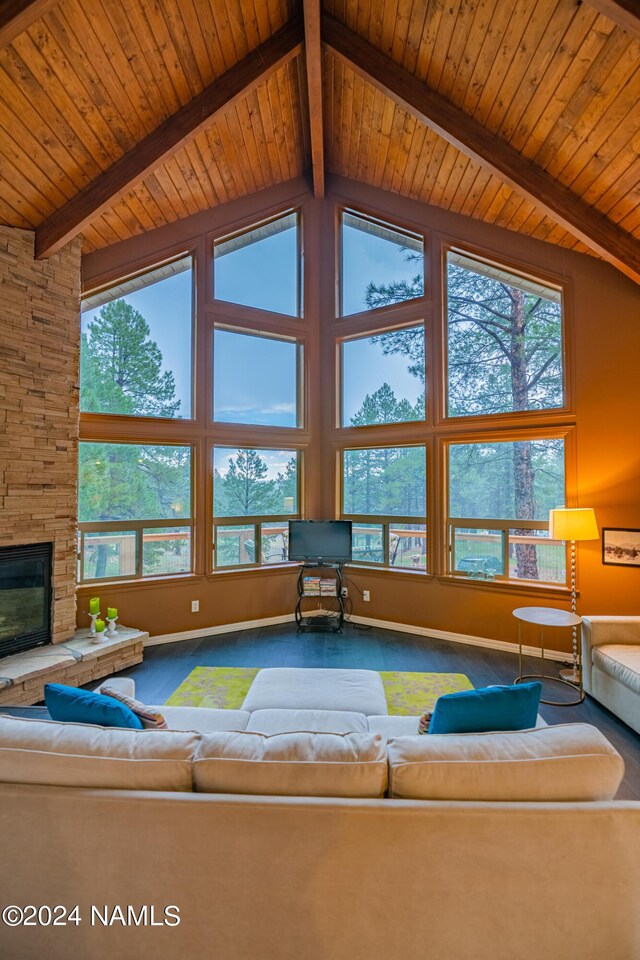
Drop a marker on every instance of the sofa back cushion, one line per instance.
(566, 762)
(49, 753)
(292, 764)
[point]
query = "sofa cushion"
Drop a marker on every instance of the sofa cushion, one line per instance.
(313, 721)
(620, 661)
(512, 707)
(389, 727)
(296, 688)
(565, 762)
(49, 753)
(292, 764)
(73, 705)
(204, 719)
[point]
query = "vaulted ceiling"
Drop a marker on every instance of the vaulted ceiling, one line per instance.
(118, 116)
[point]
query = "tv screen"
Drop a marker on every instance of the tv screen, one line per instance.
(328, 541)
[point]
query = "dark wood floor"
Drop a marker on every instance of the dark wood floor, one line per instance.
(166, 666)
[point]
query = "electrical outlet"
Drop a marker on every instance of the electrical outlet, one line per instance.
(195, 606)
(366, 596)
(344, 592)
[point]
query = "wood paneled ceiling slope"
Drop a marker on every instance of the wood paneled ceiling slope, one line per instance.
(118, 116)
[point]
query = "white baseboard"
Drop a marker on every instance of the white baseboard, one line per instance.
(487, 642)
(506, 645)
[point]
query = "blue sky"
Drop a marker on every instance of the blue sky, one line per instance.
(367, 258)
(366, 368)
(261, 274)
(254, 379)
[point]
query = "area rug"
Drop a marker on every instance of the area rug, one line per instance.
(408, 694)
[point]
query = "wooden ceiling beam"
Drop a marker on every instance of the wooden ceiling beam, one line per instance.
(471, 138)
(169, 137)
(313, 58)
(624, 13)
(16, 16)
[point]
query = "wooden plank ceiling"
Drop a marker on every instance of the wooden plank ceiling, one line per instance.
(82, 84)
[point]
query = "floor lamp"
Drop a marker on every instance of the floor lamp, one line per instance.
(573, 524)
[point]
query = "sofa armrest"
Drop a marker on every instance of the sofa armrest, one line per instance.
(601, 630)
(124, 685)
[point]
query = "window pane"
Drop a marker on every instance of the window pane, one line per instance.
(135, 355)
(255, 380)
(251, 483)
(478, 552)
(130, 481)
(368, 542)
(381, 265)
(532, 556)
(259, 268)
(166, 550)
(383, 378)
(235, 545)
(112, 554)
(504, 340)
(275, 539)
(387, 481)
(408, 545)
(506, 480)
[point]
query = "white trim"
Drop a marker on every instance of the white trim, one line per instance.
(216, 631)
(507, 645)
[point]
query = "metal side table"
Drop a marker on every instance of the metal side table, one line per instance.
(548, 617)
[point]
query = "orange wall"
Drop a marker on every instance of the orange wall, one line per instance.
(604, 314)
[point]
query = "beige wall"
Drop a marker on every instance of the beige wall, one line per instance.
(39, 350)
(603, 320)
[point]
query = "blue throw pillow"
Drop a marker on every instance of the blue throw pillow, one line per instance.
(72, 705)
(487, 709)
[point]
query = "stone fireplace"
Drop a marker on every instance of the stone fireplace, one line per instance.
(39, 364)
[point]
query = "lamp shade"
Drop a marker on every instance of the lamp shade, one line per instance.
(573, 524)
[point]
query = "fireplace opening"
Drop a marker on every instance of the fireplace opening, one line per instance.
(25, 597)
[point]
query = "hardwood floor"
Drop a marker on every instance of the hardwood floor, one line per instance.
(166, 666)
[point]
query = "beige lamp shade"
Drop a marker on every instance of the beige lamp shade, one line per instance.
(575, 523)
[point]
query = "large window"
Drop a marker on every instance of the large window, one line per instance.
(134, 513)
(384, 492)
(500, 494)
(504, 340)
(383, 378)
(381, 264)
(255, 379)
(261, 267)
(136, 345)
(255, 492)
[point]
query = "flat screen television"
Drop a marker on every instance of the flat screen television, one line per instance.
(320, 541)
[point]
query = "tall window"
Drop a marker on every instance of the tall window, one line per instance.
(255, 493)
(260, 267)
(384, 494)
(383, 378)
(134, 510)
(255, 379)
(380, 265)
(136, 345)
(500, 494)
(504, 340)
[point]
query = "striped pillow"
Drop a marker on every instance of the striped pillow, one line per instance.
(151, 719)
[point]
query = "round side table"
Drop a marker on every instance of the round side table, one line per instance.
(548, 617)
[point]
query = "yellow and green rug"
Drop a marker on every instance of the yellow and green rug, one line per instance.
(408, 694)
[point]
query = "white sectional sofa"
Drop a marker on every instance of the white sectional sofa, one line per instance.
(317, 845)
(611, 665)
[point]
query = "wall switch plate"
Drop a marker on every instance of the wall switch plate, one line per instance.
(195, 606)
(366, 596)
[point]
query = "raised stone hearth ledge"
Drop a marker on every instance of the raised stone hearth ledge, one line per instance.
(76, 662)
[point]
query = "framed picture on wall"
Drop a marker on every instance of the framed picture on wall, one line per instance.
(620, 547)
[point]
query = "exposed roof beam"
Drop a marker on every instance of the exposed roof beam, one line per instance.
(163, 142)
(624, 13)
(16, 16)
(600, 234)
(313, 58)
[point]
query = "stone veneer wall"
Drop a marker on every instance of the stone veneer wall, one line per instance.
(39, 364)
